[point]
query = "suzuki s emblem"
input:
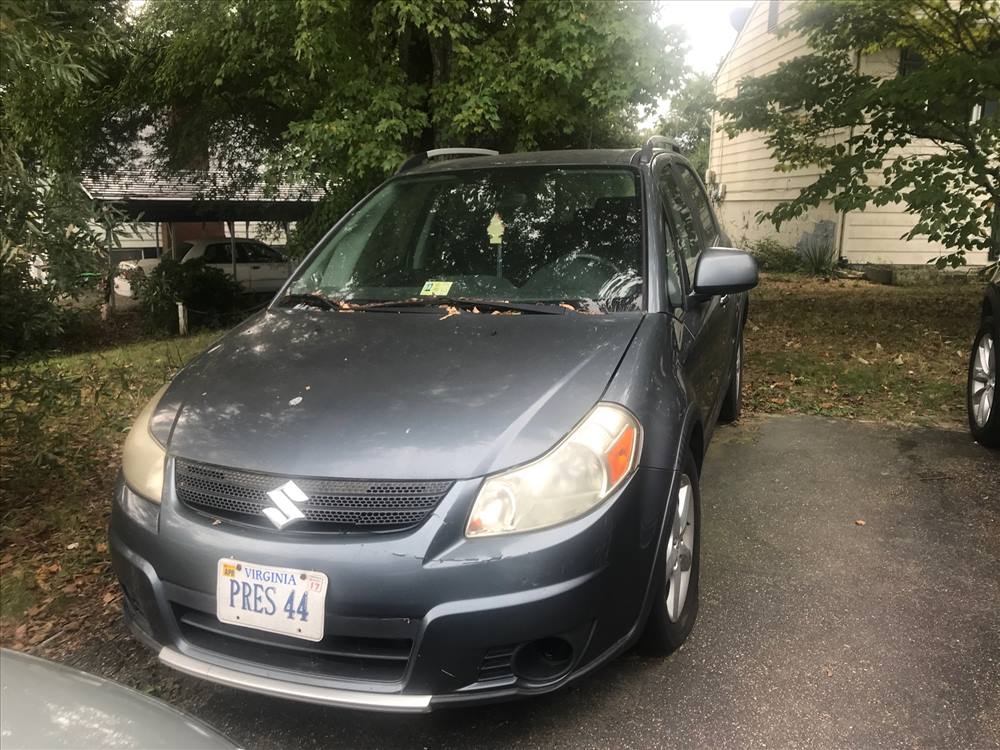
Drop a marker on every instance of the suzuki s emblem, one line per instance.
(287, 498)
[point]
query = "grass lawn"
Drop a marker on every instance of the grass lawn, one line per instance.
(840, 348)
(854, 349)
(61, 443)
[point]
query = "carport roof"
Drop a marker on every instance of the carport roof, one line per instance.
(149, 195)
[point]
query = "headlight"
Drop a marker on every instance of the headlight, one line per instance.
(580, 472)
(143, 457)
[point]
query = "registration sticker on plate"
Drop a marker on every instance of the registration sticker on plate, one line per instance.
(280, 600)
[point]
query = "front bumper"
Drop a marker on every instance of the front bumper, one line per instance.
(414, 620)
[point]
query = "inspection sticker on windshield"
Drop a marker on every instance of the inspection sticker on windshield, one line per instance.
(495, 229)
(436, 288)
(279, 600)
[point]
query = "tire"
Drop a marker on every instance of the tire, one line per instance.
(732, 404)
(666, 629)
(980, 392)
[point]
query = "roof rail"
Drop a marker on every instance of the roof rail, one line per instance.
(417, 159)
(657, 143)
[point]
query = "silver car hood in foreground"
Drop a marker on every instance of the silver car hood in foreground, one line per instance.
(49, 705)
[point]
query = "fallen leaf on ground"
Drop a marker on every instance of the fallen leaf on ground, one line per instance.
(109, 596)
(101, 547)
(74, 545)
(859, 522)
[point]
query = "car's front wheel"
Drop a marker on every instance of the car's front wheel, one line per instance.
(732, 403)
(675, 602)
(984, 414)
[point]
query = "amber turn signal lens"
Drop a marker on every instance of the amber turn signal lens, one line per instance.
(619, 455)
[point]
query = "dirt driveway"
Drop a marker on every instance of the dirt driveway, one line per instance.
(815, 630)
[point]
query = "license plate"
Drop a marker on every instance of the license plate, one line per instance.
(279, 600)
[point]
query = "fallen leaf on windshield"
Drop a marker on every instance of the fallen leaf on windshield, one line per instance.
(567, 306)
(451, 311)
(506, 312)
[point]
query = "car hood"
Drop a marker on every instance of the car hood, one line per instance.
(390, 395)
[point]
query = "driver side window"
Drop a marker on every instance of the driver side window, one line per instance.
(675, 240)
(685, 232)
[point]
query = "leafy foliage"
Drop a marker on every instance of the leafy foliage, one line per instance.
(772, 256)
(346, 90)
(689, 120)
(822, 109)
(212, 297)
(55, 67)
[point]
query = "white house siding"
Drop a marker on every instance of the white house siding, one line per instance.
(744, 168)
(743, 165)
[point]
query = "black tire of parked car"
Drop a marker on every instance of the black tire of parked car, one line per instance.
(662, 637)
(989, 433)
(732, 406)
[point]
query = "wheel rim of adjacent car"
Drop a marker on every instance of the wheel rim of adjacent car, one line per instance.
(984, 380)
(680, 550)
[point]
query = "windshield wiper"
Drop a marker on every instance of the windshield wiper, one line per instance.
(467, 303)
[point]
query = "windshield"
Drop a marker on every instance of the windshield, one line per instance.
(522, 234)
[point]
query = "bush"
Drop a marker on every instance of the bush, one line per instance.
(818, 255)
(773, 256)
(211, 296)
(30, 320)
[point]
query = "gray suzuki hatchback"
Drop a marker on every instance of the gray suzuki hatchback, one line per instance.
(457, 457)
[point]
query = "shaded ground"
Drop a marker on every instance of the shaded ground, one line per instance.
(852, 348)
(814, 630)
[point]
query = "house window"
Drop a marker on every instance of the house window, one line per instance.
(910, 61)
(987, 108)
(772, 15)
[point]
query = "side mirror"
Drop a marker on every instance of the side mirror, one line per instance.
(723, 270)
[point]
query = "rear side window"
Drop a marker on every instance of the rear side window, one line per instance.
(255, 253)
(218, 253)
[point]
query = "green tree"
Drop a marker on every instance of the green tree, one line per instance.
(343, 91)
(822, 109)
(689, 119)
(58, 62)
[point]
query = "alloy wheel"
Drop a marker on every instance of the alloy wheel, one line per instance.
(984, 380)
(680, 550)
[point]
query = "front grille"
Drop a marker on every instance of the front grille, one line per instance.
(344, 657)
(333, 505)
